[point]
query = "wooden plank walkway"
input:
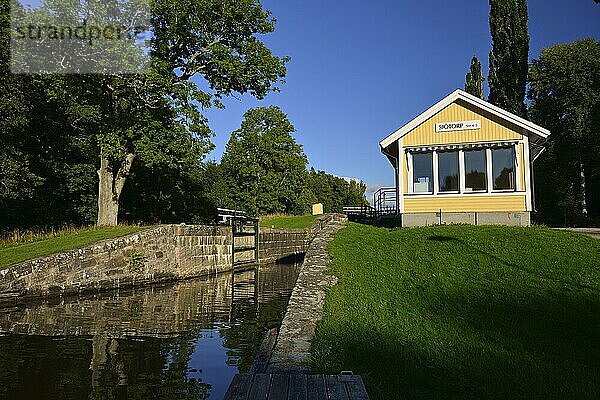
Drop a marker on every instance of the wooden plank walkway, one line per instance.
(296, 387)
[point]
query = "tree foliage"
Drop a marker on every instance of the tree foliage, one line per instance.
(264, 166)
(509, 56)
(565, 98)
(263, 171)
(17, 181)
(335, 192)
(474, 79)
(66, 130)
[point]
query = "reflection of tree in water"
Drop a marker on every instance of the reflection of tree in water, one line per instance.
(145, 369)
(177, 384)
(33, 367)
(73, 361)
(244, 338)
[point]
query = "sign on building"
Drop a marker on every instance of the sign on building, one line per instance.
(457, 126)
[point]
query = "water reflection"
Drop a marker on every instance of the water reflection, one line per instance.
(182, 341)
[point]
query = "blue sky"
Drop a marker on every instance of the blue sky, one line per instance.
(360, 69)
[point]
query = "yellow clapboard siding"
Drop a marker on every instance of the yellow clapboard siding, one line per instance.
(492, 128)
(465, 203)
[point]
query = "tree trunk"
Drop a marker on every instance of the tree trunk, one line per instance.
(110, 187)
(584, 210)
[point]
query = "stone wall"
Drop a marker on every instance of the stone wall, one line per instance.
(159, 254)
(292, 348)
(281, 244)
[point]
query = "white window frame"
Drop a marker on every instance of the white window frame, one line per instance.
(517, 165)
(411, 169)
(435, 174)
(460, 176)
(464, 172)
(491, 172)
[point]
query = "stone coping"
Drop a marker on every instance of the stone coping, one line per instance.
(292, 348)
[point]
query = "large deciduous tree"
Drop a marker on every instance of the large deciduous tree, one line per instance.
(199, 52)
(264, 166)
(216, 40)
(16, 179)
(474, 79)
(508, 59)
(565, 98)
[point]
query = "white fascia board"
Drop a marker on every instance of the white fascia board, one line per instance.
(437, 107)
(451, 98)
(527, 125)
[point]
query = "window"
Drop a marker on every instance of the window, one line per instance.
(475, 170)
(422, 172)
(448, 171)
(503, 168)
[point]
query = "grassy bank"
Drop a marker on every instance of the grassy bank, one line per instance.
(287, 221)
(464, 312)
(56, 242)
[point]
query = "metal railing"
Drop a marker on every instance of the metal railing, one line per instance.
(242, 226)
(360, 213)
(384, 201)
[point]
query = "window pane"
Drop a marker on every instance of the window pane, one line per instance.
(422, 172)
(448, 171)
(475, 170)
(503, 166)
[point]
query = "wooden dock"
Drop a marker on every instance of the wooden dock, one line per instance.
(296, 387)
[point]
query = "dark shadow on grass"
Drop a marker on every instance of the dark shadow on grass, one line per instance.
(535, 347)
(471, 249)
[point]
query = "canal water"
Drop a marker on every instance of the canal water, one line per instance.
(180, 341)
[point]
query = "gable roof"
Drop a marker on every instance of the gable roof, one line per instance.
(528, 126)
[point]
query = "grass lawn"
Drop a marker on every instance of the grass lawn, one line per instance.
(12, 253)
(462, 312)
(288, 221)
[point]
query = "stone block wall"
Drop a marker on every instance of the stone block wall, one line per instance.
(277, 244)
(159, 254)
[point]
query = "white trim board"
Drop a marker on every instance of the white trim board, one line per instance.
(477, 102)
(466, 194)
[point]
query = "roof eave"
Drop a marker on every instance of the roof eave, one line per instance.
(451, 98)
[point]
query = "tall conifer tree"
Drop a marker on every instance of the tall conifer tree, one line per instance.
(509, 56)
(474, 80)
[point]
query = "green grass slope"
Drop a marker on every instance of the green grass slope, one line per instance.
(12, 253)
(287, 221)
(462, 312)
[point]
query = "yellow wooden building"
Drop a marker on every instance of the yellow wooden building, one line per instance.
(463, 160)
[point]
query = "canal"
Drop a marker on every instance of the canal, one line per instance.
(180, 341)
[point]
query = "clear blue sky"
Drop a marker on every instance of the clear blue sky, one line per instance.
(360, 69)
